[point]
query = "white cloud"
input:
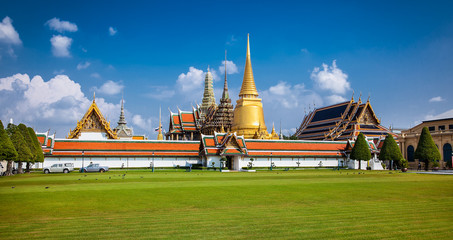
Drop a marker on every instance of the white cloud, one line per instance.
(333, 99)
(331, 78)
(231, 67)
(19, 80)
(58, 72)
(61, 26)
(231, 40)
(57, 103)
(83, 65)
(112, 31)
(8, 34)
(61, 45)
(287, 132)
(447, 114)
(290, 97)
(110, 88)
(95, 75)
(190, 81)
(436, 99)
(161, 93)
(141, 122)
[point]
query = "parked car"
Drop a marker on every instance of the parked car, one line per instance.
(59, 168)
(94, 167)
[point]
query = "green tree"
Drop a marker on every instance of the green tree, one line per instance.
(7, 150)
(39, 156)
(22, 149)
(426, 149)
(390, 151)
(361, 150)
(29, 141)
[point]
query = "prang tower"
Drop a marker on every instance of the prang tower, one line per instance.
(208, 95)
(248, 114)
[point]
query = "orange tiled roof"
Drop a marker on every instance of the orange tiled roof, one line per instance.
(131, 148)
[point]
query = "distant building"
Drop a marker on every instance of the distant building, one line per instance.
(442, 132)
(122, 130)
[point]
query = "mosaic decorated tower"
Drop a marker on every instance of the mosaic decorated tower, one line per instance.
(248, 114)
(220, 118)
(208, 95)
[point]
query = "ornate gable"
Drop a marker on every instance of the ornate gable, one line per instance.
(92, 121)
(367, 116)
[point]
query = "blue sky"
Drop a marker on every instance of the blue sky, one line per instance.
(54, 55)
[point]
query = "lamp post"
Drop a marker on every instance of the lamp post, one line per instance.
(153, 162)
(83, 159)
(271, 161)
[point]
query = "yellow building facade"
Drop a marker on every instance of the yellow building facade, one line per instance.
(442, 132)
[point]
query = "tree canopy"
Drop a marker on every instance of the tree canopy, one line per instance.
(39, 156)
(23, 152)
(29, 141)
(361, 150)
(426, 149)
(390, 150)
(7, 150)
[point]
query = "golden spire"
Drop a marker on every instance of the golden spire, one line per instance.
(248, 88)
(159, 135)
(94, 96)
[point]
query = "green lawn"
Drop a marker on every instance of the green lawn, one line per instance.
(309, 204)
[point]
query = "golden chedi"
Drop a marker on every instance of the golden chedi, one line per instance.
(248, 114)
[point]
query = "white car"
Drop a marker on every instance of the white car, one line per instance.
(59, 168)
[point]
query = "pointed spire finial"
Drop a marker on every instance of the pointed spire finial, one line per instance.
(352, 97)
(248, 88)
(159, 135)
(94, 96)
(225, 93)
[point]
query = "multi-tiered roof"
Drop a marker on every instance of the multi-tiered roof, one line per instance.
(184, 125)
(342, 121)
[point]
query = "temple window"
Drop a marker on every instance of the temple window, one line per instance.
(441, 128)
(450, 126)
(431, 129)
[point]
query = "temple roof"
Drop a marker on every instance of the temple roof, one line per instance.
(223, 144)
(143, 148)
(184, 121)
(342, 121)
(92, 121)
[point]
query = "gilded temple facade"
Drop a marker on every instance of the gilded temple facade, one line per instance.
(92, 125)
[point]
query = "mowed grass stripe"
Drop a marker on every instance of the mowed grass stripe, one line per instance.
(298, 204)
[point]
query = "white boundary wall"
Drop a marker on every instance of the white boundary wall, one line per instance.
(125, 162)
(239, 162)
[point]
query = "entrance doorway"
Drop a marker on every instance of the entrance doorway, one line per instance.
(447, 153)
(229, 162)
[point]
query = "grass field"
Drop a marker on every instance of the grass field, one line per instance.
(306, 204)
